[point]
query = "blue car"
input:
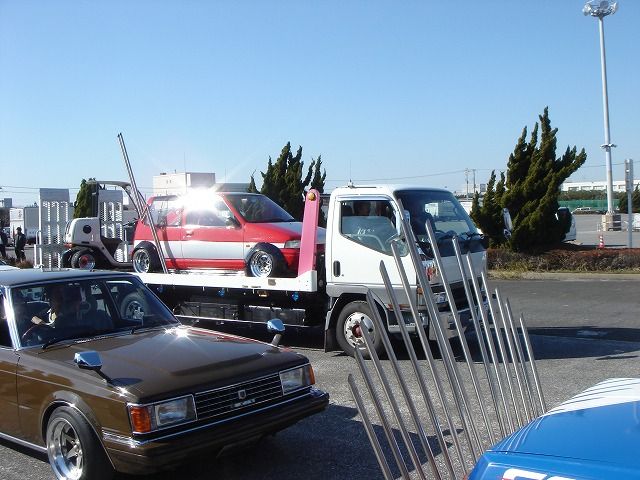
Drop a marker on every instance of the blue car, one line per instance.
(593, 436)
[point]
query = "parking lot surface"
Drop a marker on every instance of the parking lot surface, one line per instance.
(333, 445)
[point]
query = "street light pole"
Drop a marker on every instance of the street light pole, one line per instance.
(601, 9)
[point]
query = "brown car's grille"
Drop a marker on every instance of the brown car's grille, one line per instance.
(242, 396)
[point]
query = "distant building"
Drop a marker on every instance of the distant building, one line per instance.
(6, 203)
(178, 183)
(618, 186)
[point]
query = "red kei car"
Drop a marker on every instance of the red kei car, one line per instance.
(226, 231)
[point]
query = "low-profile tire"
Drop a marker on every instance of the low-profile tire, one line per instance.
(84, 260)
(145, 260)
(73, 450)
(348, 331)
(265, 261)
(133, 307)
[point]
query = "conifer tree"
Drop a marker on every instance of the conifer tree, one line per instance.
(635, 202)
(252, 185)
(283, 181)
(534, 177)
(530, 191)
(84, 200)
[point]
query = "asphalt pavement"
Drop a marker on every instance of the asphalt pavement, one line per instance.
(333, 445)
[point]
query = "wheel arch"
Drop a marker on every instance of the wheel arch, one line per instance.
(333, 314)
(270, 248)
(147, 245)
(78, 405)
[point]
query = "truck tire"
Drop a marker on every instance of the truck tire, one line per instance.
(73, 449)
(265, 260)
(145, 260)
(348, 331)
(83, 260)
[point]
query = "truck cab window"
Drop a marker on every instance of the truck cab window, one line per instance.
(367, 223)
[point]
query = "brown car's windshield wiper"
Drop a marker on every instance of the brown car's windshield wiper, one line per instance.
(81, 334)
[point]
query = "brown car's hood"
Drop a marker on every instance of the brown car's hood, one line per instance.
(161, 363)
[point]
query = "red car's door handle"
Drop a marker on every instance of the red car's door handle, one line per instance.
(188, 233)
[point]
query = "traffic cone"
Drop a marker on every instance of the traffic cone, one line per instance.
(601, 242)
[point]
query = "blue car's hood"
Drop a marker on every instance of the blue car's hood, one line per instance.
(594, 435)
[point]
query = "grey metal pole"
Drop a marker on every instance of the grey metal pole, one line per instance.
(448, 359)
(492, 349)
(476, 326)
(532, 361)
(456, 320)
(366, 421)
(413, 411)
(414, 361)
(386, 425)
(395, 408)
(513, 354)
(605, 103)
(628, 163)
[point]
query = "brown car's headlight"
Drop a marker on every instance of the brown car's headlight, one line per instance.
(297, 378)
(156, 416)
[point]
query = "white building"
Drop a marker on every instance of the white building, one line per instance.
(618, 186)
(177, 183)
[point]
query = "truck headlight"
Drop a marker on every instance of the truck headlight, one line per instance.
(292, 244)
(156, 416)
(297, 378)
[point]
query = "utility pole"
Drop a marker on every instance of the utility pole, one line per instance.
(466, 176)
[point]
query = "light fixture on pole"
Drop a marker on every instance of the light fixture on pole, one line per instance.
(601, 9)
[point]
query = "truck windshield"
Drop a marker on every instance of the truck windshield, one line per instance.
(441, 209)
(255, 208)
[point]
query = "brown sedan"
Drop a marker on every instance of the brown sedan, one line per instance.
(98, 373)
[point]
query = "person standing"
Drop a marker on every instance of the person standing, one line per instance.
(19, 243)
(4, 241)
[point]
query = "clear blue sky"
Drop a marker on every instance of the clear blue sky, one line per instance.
(409, 91)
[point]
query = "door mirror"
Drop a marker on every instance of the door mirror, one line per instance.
(88, 360)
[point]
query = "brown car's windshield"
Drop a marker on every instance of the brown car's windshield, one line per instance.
(66, 310)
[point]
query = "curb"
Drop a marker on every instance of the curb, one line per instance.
(584, 276)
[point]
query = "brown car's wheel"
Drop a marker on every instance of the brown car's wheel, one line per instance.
(73, 449)
(353, 317)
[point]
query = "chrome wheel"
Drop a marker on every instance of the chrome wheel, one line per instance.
(141, 261)
(64, 449)
(86, 262)
(353, 328)
(261, 264)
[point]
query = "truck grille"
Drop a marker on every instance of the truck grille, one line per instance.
(230, 401)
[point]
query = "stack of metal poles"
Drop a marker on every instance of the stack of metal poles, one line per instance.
(464, 410)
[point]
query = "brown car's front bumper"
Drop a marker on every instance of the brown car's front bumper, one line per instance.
(147, 457)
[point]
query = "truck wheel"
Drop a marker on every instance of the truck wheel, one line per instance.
(348, 329)
(145, 261)
(73, 449)
(84, 260)
(265, 261)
